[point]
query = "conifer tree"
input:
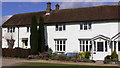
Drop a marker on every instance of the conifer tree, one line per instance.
(33, 37)
(41, 36)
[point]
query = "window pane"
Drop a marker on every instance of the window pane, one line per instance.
(85, 26)
(89, 25)
(60, 41)
(27, 28)
(86, 41)
(80, 41)
(81, 26)
(63, 47)
(86, 47)
(80, 48)
(57, 42)
(64, 42)
(83, 48)
(83, 42)
(63, 27)
(8, 29)
(13, 29)
(56, 27)
(90, 47)
(60, 47)
(60, 28)
(57, 47)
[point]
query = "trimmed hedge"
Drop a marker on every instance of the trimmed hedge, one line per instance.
(17, 52)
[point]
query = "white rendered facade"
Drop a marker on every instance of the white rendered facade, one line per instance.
(72, 34)
(70, 37)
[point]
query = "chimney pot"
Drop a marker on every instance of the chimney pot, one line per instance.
(48, 9)
(57, 6)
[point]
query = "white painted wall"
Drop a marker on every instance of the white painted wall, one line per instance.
(73, 33)
(22, 34)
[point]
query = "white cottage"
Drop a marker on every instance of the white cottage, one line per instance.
(94, 29)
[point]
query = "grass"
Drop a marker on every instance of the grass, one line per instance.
(53, 65)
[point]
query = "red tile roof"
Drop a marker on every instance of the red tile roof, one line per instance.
(99, 13)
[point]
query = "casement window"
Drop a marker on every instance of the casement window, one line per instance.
(85, 45)
(85, 26)
(27, 28)
(11, 29)
(60, 27)
(60, 45)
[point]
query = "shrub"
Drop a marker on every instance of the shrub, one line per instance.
(114, 55)
(107, 59)
(87, 55)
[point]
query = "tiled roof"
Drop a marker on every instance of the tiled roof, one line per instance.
(99, 13)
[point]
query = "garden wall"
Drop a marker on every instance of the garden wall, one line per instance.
(17, 52)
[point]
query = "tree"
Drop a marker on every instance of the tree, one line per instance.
(41, 36)
(34, 37)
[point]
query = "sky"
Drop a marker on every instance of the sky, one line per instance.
(11, 8)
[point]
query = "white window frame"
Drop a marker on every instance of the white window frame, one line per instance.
(60, 45)
(88, 26)
(60, 27)
(85, 47)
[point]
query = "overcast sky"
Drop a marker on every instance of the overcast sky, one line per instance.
(11, 8)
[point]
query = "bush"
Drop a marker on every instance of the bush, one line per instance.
(87, 55)
(107, 59)
(114, 56)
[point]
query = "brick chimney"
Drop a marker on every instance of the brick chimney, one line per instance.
(48, 9)
(57, 7)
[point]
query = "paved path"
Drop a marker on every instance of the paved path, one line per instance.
(17, 61)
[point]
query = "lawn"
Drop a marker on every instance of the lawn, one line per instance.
(53, 65)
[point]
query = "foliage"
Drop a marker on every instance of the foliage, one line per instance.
(107, 59)
(114, 55)
(33, 37)
(41, 37)
(87, 55)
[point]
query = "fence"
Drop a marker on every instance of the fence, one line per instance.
(17, 52)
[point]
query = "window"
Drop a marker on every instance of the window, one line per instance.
(27, 28)
(85, 26)
(8, 29)
(99, 46)
(60, 27)
(11, 29)
(85, 45)
(60, 44)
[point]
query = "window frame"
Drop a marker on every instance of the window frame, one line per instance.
(86, 26)
(60, 45)
(60, 27)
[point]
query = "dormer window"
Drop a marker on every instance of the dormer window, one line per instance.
(60, 27)
(85, 26)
